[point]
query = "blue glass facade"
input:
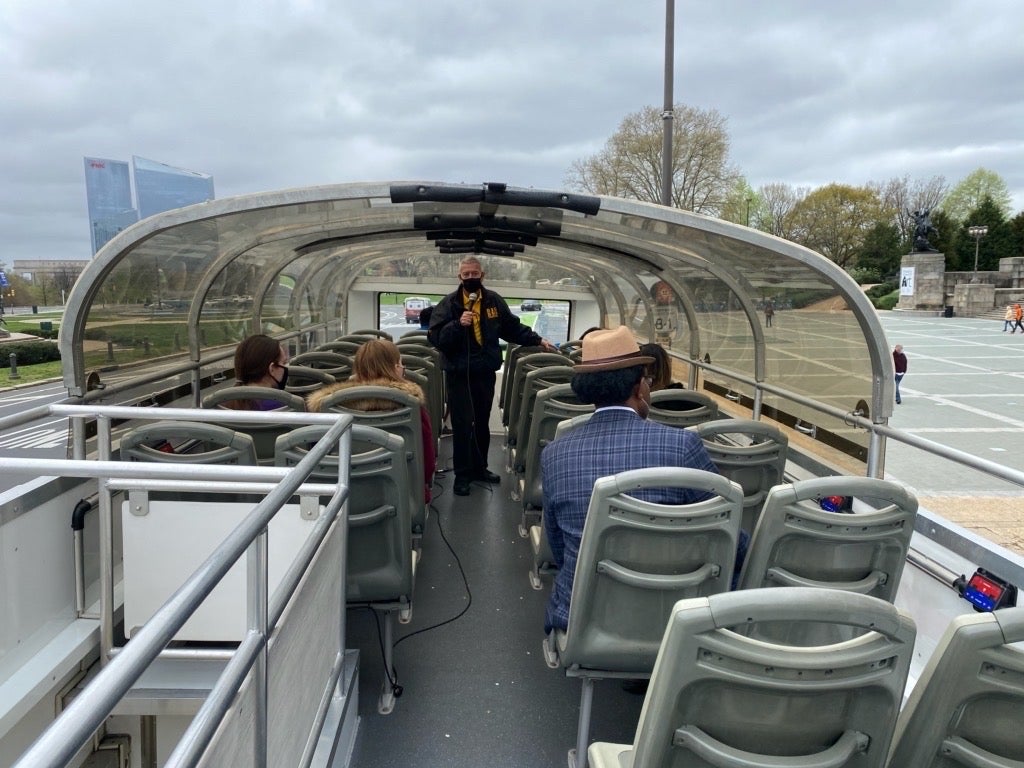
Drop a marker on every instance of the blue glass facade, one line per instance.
(114, 206)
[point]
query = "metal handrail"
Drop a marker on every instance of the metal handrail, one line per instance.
(87, 712)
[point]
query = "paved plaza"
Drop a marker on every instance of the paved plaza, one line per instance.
(964, 389)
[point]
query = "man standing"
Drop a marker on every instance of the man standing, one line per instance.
(616, 438)
(466, 326)
(899, 364)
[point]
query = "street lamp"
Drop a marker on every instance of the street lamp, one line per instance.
(977, 233)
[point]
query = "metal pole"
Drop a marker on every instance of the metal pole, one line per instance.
(666, 113)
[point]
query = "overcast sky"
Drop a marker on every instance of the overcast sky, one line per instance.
(269, 95)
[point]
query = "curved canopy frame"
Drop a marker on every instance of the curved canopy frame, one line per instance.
(186, 283)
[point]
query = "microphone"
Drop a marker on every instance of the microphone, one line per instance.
(473, 297)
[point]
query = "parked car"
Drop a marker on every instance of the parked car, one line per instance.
(530, 305)
(413, 306)
(553, 322)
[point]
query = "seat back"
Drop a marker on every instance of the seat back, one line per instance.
(682, 407)
(508, 375)
(637, 558)
(403, 420)
(263, 435)
(372, 332)
(564, 427)
(534, 382)
(753, 453)
(343, 346)
(797, 543)
(432, 384)
(379, 561)
(968, 704)
(187, 442)
(719, 698)
(357, 338)
(336, 364)
(303, 380)
(523, 367)
(553, 405)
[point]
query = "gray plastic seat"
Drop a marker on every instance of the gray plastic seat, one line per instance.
(967, 707)
(551, 406)
(636, 559)
(797, 543)
(263, 435)
(195, 443)
(342, 345)
(753, 453)
(682, 407)
(372, 332)
(533, 382)
(432, 385)
(719, 698)
(403, 421)
(336, 364)
(380, 562)
(508, 375)
(302, 380)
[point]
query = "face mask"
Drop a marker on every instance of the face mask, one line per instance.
(284, 377)
(472, 285)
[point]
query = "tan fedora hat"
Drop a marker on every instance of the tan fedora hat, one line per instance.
(610, 350)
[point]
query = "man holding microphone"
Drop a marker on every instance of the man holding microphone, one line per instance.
(466, 326)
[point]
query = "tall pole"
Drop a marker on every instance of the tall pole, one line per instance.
(977, 233)
(666, 113)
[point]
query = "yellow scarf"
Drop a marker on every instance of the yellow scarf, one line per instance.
(476, 308)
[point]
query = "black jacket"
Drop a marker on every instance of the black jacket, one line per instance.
(458, 346)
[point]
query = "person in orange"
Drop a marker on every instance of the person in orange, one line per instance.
(1018, 316)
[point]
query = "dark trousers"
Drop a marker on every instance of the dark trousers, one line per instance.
(469, 403)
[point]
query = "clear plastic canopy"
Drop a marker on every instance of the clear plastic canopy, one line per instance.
(189, 284)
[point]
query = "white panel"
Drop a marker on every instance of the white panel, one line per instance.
(303, 652)
(165, 547)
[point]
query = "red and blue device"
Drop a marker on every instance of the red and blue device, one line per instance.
(986, 591)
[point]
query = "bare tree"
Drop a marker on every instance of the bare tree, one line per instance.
(775, 210)
(629, 165)
(900, 197)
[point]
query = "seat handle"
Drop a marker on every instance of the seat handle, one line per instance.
(372, 516)
(721, 755)
(665, 581)
(862, 587)
(974, 756)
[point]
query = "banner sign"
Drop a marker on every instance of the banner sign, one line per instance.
(907, 281)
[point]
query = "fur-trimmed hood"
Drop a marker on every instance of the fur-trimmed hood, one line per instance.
(316, 399)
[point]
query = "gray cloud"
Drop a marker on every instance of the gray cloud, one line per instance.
(281, 94)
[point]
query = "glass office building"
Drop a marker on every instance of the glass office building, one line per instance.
(120, 193)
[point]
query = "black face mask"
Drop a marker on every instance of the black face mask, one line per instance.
(284, 377)
(472, 285)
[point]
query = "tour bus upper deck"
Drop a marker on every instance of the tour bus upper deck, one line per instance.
(156, 316)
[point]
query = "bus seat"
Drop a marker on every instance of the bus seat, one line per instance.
(512, 356)
(343, 345)
(380, 562)
(682, 407)
(303, 380)
(263, 435)
(534, 381)
(336, 364)
(797, 543)
(552, 406)
(719, 698)
(432, 385)
(372, 332)
(403, 420)
(753, 453)
(189, 442)
(967, 707)
(636, 559)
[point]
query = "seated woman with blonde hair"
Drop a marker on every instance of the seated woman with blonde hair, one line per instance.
(378, 363)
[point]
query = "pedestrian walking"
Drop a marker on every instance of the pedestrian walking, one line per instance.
(1018, 316)
(899, 364)
(1008, 318)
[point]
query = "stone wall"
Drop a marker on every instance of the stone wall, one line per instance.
(928, 281)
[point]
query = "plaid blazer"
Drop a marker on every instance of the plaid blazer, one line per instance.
(612, 441)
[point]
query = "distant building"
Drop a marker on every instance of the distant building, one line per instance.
(119, 194)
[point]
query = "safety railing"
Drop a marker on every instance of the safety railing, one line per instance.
(247, 664)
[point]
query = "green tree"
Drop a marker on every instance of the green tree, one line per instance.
(880, 254)
(996, 244)
(630, 164)
(776, 202)
(946, 241)
(969, 193)
(741, 205)
(835, 219)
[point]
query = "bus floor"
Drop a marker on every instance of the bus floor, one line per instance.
(476, 690)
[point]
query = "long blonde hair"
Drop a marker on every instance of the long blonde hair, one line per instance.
(376, 359)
